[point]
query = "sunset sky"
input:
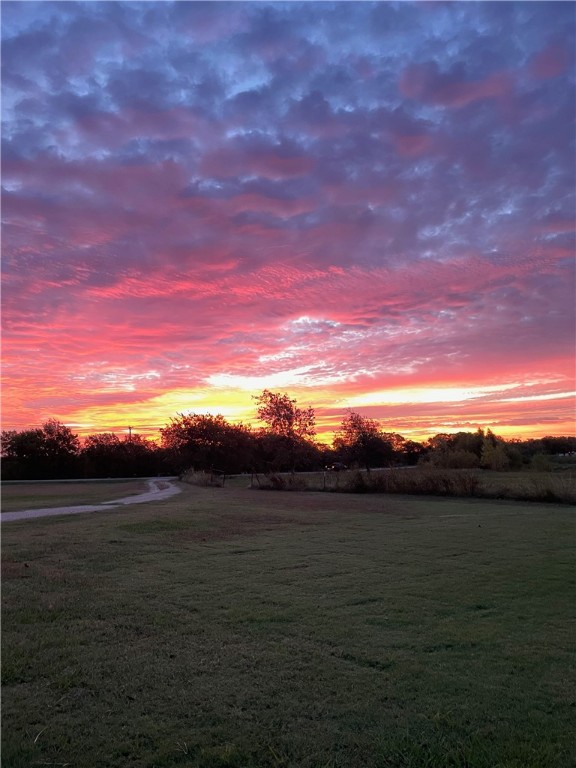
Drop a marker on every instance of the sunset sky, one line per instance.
(365, 205)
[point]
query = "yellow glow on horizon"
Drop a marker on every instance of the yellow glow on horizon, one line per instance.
(424, 395)
(202, 401)
(497, 410)
(157, 411)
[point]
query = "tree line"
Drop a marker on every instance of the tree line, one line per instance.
(286, 443)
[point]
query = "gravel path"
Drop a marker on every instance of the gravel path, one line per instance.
(157, 490)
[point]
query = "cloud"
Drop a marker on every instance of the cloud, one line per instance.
(253, 156)
(339, 202)
(451, 89)
(551, 61)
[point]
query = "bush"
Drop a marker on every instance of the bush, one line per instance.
(458, 459)
(356, 483)
(275, 482)
(203, 479)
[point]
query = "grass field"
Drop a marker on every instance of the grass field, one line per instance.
(39, 495)
(229, 627)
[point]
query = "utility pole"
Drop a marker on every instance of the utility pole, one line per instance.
(129, 434)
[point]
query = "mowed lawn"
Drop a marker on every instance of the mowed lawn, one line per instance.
(236, 627)
(37, 495)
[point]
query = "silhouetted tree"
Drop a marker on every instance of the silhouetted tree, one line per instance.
(283, 417)
(207, 442)
(412, 452)
(101, 454)
(107, 455)
(558, 445)
(292, 429)
(49, 452)
(140, 456)
(361, 440)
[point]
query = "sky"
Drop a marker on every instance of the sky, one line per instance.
(369, 206)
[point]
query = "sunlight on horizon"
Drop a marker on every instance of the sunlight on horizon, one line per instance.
(422, 395)
(238, 405)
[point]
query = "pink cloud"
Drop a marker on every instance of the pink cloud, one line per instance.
(120, 126)
(550, 62)
(267, 162)
(426, 83)
(278, 207)
(411, 146)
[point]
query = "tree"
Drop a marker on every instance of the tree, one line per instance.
(472, 441)
(440, 442)
(43, 453)
(140, 456)
(59, 439)
(101, 454)
(559, 445)
(412, 452)
(494, 456)
(361, 440)
(21, 454)
(207, 442)
(283, 417)
(291, 429)
(106, 455)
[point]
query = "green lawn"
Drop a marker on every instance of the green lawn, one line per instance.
(38, 495)
(235, 627)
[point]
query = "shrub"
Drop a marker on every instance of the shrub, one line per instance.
(275, 482)
(458, 459)
(356, 483)
(203, 479)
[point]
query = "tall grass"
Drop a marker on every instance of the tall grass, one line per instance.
(556, 487)
(519, 486)
(418, 482)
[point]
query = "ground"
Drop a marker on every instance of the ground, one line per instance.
(236, 627)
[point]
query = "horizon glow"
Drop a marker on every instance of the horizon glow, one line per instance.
(365, 205)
